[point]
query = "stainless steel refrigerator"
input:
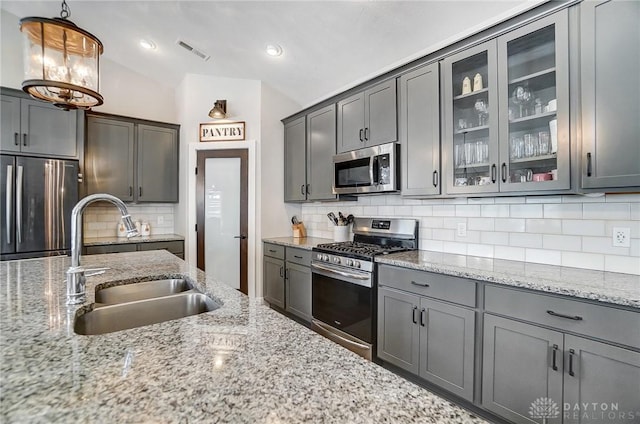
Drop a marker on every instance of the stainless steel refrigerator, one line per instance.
(38, 195)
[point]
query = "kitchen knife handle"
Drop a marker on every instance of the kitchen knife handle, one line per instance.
(19, 204)
(435, 178)
(360, 132)
(415, 309)
(16, 139)
(589, 164)
(423, 313)
(554, 365)
(9, 201)
(571, 353)
(24, 139)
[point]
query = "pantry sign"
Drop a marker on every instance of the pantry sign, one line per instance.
(223, 131)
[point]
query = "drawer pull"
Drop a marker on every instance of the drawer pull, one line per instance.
(554, 365)
(415, 309)
(298, 257)
(272, 251)
(571, 353)
(573, 317)
(419, 284)
(422, 314)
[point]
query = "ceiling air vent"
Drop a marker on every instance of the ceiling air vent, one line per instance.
(202, 55)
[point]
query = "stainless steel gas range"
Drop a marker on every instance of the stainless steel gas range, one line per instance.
(344, 280)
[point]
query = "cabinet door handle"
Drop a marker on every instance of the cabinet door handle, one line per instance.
(503, 171)
(366, 134)
(281, 268)
(554, 365)
(16, 139)
(286, 273)
(423, 313)
(571, 353)
(415, 309)
(419, 284)
(494, 173)
(130, 191)
(140, 191)
(308, 188)
(360, 133)
(435, 178)
(302, 189)
(24, 139)
(573, 317)
(589, 164)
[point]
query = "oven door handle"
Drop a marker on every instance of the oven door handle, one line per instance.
(323, 326)
(344, 274)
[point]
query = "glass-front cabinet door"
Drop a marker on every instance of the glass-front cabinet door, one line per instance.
(471, 116)
(534, 106)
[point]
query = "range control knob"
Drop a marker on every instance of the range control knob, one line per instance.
(319, 256)
(356, 264)
(336, 260)
(349, 262)
(325, 258)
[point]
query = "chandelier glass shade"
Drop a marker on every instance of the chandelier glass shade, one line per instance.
(61, 63)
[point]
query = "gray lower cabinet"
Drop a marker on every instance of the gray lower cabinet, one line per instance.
(135, 161)
(176, 247)
(610, 53)
(35, 127)
(368, 118)
(298, 290)
(295, 182)
(273, 280)
(429, 338)
(419, 131)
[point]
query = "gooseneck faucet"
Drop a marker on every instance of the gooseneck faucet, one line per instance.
(76, 277)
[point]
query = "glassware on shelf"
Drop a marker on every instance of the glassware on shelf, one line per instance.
(544, 146)
(482, 109)
(469, 154)
(522, 97)
(517, 147)
(458, 155)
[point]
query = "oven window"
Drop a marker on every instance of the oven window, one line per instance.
(343, 305)
(353, 173)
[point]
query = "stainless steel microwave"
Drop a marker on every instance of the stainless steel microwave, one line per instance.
(370, 170)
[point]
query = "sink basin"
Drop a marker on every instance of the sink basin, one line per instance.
(123, 316)
(140, 291)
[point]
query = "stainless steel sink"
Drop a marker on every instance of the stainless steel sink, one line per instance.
(140, 291)
(123, 316)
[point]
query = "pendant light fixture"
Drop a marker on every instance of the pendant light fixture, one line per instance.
(62, 62)
(219, 110)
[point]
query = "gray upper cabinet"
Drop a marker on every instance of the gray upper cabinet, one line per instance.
(321, 146)
(109, 157)
(506, 105)
(521, 363)
(610, 64)
(368, 118)
(33, 127)
(295, 183)
(157, 164)
(419, 131)
(133, 161)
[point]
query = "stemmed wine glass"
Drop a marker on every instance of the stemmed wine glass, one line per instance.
(522, 96)
(483, 110)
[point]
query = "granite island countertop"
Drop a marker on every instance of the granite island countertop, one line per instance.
(608, 287)
(306, 243)
(101, 241)
(241, 363)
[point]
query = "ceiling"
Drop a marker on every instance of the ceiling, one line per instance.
(328, 46)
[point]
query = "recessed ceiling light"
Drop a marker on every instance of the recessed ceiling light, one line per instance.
(274, 50)
(147, 44)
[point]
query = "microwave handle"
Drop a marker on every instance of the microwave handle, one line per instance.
(371, 171)
(375, 170)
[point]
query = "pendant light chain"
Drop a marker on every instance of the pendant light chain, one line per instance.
(66, 11)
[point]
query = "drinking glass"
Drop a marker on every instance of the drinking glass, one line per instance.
(543, 142)
(530, 146)
(469, 154)
(458, 155)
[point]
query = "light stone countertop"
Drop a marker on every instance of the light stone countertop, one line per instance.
(306, 243)
(242, 363)
(101, 241)
(609, 287)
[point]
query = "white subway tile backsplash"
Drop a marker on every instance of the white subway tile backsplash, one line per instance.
(570, 243)
(606, 211)
(562, 230)
(544, 226)
(101, 221)
(525, 211)
(525, 240)
(539, 256)
(583, 260)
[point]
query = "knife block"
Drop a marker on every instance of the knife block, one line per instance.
(298, 230)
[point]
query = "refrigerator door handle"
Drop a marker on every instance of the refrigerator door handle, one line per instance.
(19, 204)
(9, 202)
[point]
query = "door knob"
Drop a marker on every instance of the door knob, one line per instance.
(241, 237)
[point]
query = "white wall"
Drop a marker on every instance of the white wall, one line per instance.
(573, 231)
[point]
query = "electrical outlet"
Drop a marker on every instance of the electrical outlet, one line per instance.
(160, 219)
(462, 229)
(621, 237)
